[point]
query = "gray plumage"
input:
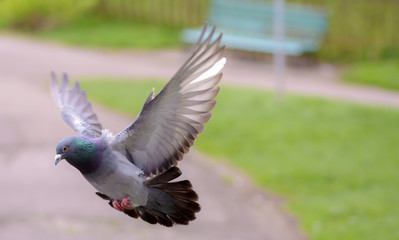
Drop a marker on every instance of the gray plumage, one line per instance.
(140, 162)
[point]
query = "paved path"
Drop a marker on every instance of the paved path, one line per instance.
(37, 58)
(40, 201)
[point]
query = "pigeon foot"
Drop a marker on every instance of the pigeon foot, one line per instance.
(126, 203)
(117, 205)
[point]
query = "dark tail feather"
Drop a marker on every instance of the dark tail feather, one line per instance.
(169, 202)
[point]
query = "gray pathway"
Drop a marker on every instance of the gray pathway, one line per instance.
(40, 201)
(35, 57)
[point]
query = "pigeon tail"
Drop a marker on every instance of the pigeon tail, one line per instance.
(169, 202)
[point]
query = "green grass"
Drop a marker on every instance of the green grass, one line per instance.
(336, 163)
(96, 32)
(383, 74)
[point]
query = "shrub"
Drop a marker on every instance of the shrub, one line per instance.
(38, 14)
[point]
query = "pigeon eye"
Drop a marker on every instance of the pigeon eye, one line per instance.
(64, 149)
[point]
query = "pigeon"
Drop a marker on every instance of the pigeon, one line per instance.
(135, 170)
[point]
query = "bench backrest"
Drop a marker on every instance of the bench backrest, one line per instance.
(256, 18)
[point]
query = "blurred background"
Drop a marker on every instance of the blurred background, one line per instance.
(317, 162)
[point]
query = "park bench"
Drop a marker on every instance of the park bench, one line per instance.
(248, 26)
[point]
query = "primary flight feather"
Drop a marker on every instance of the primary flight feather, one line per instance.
(134, 169)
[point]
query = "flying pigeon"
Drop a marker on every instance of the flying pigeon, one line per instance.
(134, 169)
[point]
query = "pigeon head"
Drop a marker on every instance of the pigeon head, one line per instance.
(85, 154)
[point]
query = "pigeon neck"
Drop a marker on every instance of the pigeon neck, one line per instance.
(89, 155)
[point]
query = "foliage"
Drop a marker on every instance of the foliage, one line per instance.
(335, 162)
(381, 74)
(42, 13)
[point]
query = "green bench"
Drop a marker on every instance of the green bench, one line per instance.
(248, 26)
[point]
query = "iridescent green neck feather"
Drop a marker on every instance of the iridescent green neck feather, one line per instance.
(88, 155)
(83, 153)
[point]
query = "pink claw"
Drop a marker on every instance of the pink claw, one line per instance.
(117, 205)
(126, 203)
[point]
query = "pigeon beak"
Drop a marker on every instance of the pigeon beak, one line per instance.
(57, 158)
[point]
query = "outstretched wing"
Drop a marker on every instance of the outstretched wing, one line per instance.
(168, 124)
(75, 109)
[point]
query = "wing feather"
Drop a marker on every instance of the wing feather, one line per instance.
(169, 123)
(76, 110)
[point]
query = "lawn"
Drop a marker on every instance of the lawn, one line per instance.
(384, 74)
(96, 32)
(335, 162)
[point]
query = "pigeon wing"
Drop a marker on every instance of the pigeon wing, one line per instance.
(169, 123)
(75, 109)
